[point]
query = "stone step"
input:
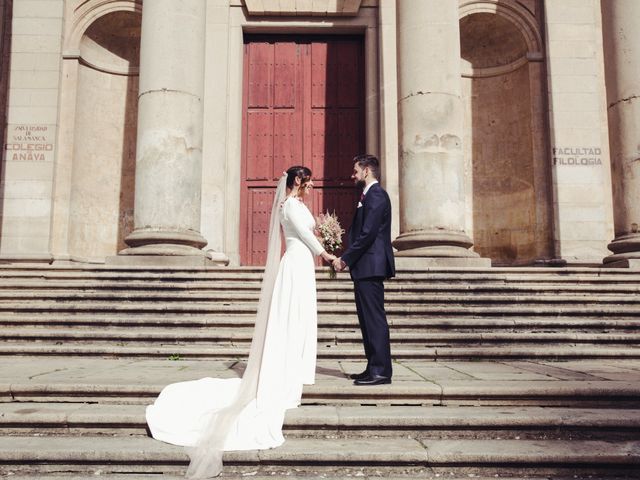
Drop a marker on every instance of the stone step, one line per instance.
(570, 393)
(325, 351)
(487, 422)
(248, 285)
(242, 336)
(236, 308)
(30, 298)
(106, 271)
(575, 419)
(328, 321)
(144, 455)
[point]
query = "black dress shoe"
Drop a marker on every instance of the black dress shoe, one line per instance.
(359, 376)
(373, 380)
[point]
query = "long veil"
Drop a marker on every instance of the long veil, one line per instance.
(206, 455)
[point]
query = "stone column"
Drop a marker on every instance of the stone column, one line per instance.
(169, 139)
(430, 110)
(621, 37)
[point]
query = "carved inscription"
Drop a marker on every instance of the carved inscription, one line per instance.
(28, 143)
(577, 156)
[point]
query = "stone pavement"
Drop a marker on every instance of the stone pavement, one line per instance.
(437, 418)
(436, 377)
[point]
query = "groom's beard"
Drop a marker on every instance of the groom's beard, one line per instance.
(361, 184)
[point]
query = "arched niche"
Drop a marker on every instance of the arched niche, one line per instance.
(505, 136)
(104, 140)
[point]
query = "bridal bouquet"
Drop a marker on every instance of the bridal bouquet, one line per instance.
(329, 232)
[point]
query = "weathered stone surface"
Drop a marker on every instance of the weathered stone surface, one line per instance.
(430, 112)
(29, 92)
(534, 183)
(169, 137)
(622, 64)
(446, 417)
(522, 451)
(579, 152)
(200, 312)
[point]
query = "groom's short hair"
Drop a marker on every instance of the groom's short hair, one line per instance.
(365, 160)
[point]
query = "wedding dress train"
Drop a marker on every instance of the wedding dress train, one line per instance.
(214, 415)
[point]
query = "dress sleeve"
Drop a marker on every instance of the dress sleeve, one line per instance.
(293, 214)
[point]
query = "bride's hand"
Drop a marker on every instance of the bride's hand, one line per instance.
(328, 257)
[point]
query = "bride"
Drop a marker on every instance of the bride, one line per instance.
(212, 415)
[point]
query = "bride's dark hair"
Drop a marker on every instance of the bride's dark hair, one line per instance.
(303, 173)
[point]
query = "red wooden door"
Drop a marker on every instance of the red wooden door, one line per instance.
(302, 105)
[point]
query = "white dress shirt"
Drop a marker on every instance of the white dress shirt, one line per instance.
(366, 189)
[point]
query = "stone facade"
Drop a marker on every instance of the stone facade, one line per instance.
(507, 129)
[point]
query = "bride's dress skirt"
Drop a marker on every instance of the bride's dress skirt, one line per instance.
(183, 410)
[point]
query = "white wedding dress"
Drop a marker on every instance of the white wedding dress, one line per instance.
(215, 415)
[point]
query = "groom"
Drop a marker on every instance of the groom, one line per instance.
(370, 261)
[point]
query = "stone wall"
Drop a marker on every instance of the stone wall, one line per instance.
(32, 122)
(578, 127)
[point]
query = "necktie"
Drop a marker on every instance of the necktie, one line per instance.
(361, 197)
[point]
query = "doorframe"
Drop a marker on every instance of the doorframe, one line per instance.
(365, 24)
(304, 106)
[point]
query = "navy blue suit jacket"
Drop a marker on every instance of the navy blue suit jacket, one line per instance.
(370, 253)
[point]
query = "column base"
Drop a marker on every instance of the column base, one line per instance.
(160, 261)
(434, 243)
(550, 262)
(436, 248)
(631, 263)
(626, 252)
(168, 255)
(159, 247)
(413, 263)
(161, 254)
(148, 237)
(24, 259)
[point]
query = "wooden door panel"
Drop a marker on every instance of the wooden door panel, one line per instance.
(260, 59)
(260, 202)
(287, 141)
(302, 105)
(259, 145)
(285, 73)
(340, 200)
(324, 147)
(349, 142)
(347, 90)
(318, 75)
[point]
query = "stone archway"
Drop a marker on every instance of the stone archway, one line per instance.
(505, 136)
(104, 141)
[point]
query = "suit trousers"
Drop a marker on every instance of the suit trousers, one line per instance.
(369, 293)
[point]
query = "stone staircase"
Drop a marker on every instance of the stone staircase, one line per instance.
(209, 314)
(514, 373)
